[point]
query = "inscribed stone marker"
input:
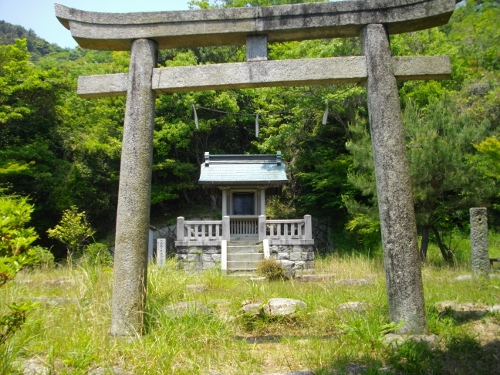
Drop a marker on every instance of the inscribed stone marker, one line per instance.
(479, 241)
(161, 251)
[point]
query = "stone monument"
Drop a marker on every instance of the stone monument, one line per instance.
(372, 20)
(479, 241)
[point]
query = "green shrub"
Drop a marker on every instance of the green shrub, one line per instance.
(15, 242)
(96, 254)
(73, 231)
(271, 269)
(42, 257)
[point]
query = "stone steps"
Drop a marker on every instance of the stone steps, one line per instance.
(243, 255)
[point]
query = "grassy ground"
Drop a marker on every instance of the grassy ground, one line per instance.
(68, 330)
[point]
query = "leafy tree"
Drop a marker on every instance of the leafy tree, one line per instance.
(445, 178)
(15, 241)
(73, 231)
(490, 148)
(446, 181)
(29, 146)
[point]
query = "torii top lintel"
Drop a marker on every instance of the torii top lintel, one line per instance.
(231, 26)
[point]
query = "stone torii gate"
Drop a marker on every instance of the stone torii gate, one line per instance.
(144, 33)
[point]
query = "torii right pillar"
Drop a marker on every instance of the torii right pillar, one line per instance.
(395, 202)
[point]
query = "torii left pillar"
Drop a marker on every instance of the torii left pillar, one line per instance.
(132, 220)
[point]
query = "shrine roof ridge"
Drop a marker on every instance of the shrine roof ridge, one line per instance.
(231, 26)
(243, 158)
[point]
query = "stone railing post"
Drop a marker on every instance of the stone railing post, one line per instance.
(262, 227)
(308, 227)
(266, 249)
(479, 241)
(180, 229)
(226, 229)
(223, 256)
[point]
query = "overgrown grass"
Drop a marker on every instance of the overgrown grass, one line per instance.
(459, 243)
(68, 331)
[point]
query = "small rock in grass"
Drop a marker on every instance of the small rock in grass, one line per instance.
(358, 307)
(59, 282)
(252, 308)
(55, 301)
(257, 278)
(197, 288)
(463, 310)
(282, 306)
(300, 372)
(463, 277)
(309, 278)
(494, 309)
(350, 282)
(115, 370)
(35, 366)
(187, 308)
(394, 340)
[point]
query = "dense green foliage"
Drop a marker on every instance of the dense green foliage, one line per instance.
(15, 241)
(63, 151)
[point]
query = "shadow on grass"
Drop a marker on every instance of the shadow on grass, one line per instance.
(274, 339)
(462, 355)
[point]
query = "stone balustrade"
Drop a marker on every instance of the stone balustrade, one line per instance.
(212, 232)
(202, 232)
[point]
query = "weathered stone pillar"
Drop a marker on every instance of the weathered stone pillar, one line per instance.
(308, 227)
(479, 241)
(132, 221)
(397, 215)
(180, 229)
(262, 227)
(226, 228)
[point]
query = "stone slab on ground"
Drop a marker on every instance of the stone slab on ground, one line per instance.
(349, 307)
(35, 366)
(115, 370)
(394, 340)
(467, 309)
(312, 278)
(494, 309)
(180, 309)
(282, 306)
(470, 277)
(252, 308)
(54, 301)
(300, 372)
(354, 282)
(197, 288)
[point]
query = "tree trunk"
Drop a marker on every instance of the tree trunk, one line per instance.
(424, 244)
(213, 199)
(445, 252)
(186, 197)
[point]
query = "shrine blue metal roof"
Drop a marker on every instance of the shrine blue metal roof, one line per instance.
(243, 170)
